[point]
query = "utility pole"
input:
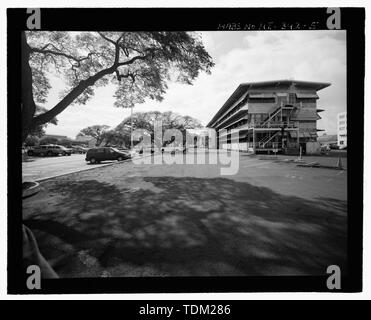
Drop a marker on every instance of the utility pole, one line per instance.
(131, 118)
(131, 128)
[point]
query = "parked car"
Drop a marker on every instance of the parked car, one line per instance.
(173, 149)
(96, 155)
(325, 148)
(334, 146)
(49, 150)
(79, 149)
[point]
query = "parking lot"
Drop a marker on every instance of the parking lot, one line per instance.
(36, 168)
(271, 218)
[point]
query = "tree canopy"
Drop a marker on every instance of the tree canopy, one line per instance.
(169, 119)
(97, 132)
(139, 63)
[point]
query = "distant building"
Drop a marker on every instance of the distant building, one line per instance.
(270, 116)
(342, 129)
(55, 136)
(328, 139)
(81, 137)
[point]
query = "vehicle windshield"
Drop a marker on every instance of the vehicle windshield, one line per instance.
(114, 149)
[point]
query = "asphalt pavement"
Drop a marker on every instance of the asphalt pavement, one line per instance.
(157, 219)
(38, 168)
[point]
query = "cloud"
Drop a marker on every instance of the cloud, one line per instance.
(240, 57)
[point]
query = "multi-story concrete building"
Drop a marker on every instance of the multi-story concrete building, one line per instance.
(269, 116)
(342, 129)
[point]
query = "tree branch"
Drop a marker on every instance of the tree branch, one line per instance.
(107, 39)
(132, 60)
(57, 53)
(70, 97)
(84, 84)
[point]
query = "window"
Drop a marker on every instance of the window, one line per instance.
(262, 100)
(341, 142)
(100, 150)
(341, 123)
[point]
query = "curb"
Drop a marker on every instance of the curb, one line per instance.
(31, 191)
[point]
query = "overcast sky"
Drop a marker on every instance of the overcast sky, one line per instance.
(241, 56)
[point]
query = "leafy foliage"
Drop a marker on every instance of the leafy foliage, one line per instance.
(143, 61)
(97, 132)
(169, 120)
(31, 141)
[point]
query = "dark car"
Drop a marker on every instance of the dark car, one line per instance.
(49, 150)
(96, 155)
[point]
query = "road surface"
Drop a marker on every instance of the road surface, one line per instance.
(271, 218)
(37, 168)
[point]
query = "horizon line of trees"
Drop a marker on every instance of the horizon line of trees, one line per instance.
(121, 134)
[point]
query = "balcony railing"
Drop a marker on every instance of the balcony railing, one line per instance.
(268, 145)
(285, 124)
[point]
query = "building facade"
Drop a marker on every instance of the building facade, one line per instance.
(342, 130)
(276, 116)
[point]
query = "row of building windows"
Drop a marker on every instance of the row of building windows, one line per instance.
(291, 100)
(262, 100)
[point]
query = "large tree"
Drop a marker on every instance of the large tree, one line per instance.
(138, 63)
(117, 138)
(169, 119)
(97, 132)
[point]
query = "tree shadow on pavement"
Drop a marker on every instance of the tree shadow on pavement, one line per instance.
(191, 227)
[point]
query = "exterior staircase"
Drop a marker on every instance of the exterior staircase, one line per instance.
(265, 141)
(276, 112)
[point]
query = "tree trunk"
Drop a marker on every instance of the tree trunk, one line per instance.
(28, 106)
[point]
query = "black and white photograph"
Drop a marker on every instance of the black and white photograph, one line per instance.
(182, 153)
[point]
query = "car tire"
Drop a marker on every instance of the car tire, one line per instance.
(49, 153)
(120, 158)
(63, 153)
(42, 154)
(93, 161)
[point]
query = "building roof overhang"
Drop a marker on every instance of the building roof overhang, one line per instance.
(243, 87)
